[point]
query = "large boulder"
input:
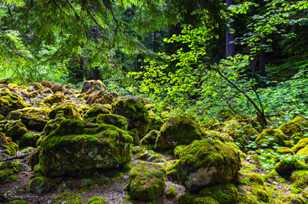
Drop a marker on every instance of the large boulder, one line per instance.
(133, 108)
(147, 181)
(34, 118)
(206, 162)
(178, 131)
(10, 101)
(76, 147)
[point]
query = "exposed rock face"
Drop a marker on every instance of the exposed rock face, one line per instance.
(77, 148)
(206, 162)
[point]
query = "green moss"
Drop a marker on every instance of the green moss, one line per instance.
(52, 99)
(171, 192)
(10, 101)
(8, 171)
(9, 147)
(300, 144)
(77, 147)
(2, 117)
(178, 130)
(271, 137)
(224, 137)
(224, 193)
(241, 132)
(207, 162)
(150, 139)
(67, 198)
(133, 108)
(39, 185)
(289, 164)
(97, 200)
(66, 110)
(195, 199)
(147, 181)
(95, 110)
(303, 152)
(13, 128)
(299, 181)
(112, 119)
(29, 139)
(295, 125)
(33, 118)
(149, 155)
(252, 178)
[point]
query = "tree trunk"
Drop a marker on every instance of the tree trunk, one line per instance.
(230, 49)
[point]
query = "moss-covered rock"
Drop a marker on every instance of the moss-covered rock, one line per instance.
(93, 85)
(207, 162)
(95, 110)
(34, 118)
(113, 119)
(67, 198)
(39, 185)
(223, 193)
(13, 128)
(178, 130)
(8, 171)
(52, 99)
(271, 137)
(147, 181)
(9, 148)
(66, 110)
(150, 139)
(289, 164)
(216, 135)
(97, 200)
(133, 108)
(299, 181)
(77, 147)
(10, 101)
(300, 145)
(241, 132)
(296, 125)
(196, 199)
(29, 139)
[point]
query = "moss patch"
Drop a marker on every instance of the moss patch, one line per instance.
(207, 162)
(147, 181)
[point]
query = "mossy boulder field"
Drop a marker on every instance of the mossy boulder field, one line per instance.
(61, 145)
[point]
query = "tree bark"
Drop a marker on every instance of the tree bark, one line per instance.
(230, 49)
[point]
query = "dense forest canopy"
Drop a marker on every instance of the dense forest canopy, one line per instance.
(182, 83)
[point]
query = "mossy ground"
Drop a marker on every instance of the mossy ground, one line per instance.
(272, 162)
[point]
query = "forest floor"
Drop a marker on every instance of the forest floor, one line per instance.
(270, 171)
